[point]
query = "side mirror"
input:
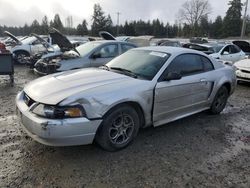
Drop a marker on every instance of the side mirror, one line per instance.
(173, 76)
(96, 55)
(225, 53)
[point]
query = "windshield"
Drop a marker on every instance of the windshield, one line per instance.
(217, 48)
(143, 63)
(84, 49)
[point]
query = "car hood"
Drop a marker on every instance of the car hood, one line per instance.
(12, 37)
(245, 63)
(43, 42)
(106, 35)
(61, 40)
(53, 89)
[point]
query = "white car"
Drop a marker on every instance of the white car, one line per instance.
(226, 52)
(243, 70)
(25, 48)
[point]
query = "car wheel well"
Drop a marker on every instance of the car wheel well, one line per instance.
(135, 106)
(228, 86)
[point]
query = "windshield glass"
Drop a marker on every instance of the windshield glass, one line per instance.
(143, 63)
(218, 48)
(84, 49)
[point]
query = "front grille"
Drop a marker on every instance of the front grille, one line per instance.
(245, 71)
(27, 100)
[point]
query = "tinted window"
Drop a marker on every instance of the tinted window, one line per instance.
(208, 66)
(226, 49)
(110, 50)
(126, 47)
(186, 64)
(234, 49)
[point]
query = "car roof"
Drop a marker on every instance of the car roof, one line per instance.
(170, 50)
(112, 41)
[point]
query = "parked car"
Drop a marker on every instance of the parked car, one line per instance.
(243, 45)
(143, 87)
(243, 70)
(225, 51)
(25, 47)
(90, 54)
(60, 45)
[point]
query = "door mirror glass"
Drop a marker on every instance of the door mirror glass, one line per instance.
(173, 76)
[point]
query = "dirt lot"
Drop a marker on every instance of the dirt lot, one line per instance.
(199, 151)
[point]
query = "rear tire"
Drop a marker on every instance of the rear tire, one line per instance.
(118, 129)
(220, 100)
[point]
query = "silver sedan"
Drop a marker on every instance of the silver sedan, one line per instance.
(148, 86)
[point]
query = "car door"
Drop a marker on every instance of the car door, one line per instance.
(104, 54)
(37, 47)
(178, 98)
(236, 53)
(226, 54)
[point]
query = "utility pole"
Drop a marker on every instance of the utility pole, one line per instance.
(243, 29)
(117, 26)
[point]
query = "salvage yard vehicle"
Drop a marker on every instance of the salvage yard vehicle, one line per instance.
(143, 87)
(243, 70)
(25, 47)
(243, 45)
(226, 52)
(90, 54)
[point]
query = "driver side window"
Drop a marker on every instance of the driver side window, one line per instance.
(108, 51)
(187, 64)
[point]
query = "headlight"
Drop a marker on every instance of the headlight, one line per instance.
(55, 112)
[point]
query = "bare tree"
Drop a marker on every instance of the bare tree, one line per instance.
(192, 11)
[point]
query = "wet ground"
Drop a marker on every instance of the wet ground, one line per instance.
(199, 151)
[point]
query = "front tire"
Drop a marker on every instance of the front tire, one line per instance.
(20, 57)
(120, 126)
(220, 100)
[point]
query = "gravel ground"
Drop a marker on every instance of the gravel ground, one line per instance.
(199, 151)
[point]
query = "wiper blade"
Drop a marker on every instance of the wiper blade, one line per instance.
(127, 72)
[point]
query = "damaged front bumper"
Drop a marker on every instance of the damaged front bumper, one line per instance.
(56, 132)
(45, 68)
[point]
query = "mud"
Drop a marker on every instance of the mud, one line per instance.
(199, 151)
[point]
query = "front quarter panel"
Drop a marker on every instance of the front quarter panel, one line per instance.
(98, 103)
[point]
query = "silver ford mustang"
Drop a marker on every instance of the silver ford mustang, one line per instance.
(148, 86)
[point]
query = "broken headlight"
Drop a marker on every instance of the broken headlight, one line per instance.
(55, 112)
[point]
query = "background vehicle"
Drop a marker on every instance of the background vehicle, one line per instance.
(90, 54)
(110, 103)
(243, 45)
(243, 70)
(25, 47)
(227, 52)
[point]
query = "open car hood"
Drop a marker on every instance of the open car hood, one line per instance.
(12, 37)
(43, 42)
(106, 35)
(61, 40)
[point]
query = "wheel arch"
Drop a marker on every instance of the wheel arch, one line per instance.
(135, 105)
(21, 51)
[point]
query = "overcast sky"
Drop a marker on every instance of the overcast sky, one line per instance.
(19, 12)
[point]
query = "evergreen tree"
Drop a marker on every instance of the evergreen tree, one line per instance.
(35, 27)
(217, 27)
(82, 28)
(100, 22)
(232, 21)
(45, 25)
(57, 23)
